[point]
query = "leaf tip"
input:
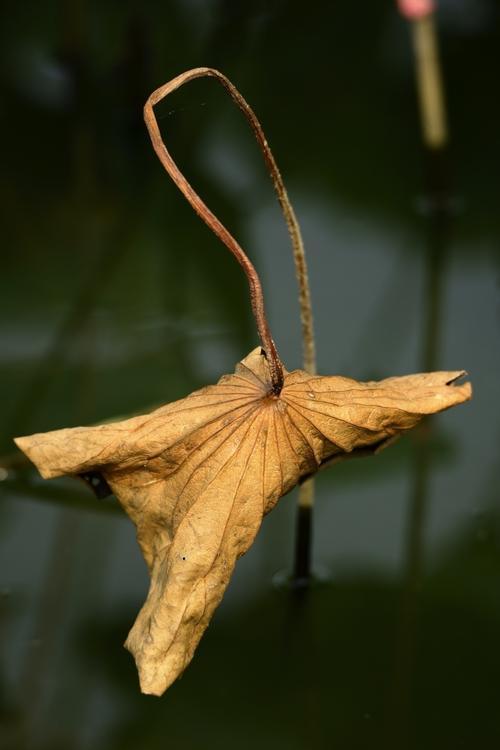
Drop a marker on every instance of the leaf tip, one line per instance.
(463, 388)
(154, 679)
(29, 445)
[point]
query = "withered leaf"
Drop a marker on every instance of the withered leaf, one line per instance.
(196, 477)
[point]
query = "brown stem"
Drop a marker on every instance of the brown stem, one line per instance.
(306, 492)
(256, 295)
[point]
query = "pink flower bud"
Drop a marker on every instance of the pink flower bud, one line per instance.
(412, 9)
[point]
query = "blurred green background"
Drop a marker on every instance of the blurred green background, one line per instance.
(114, 297)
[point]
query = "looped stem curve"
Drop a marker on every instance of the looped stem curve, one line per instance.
(256, 294)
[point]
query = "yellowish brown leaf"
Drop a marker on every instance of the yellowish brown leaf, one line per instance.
(196, 477)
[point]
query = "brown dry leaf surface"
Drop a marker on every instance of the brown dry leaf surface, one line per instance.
(196, 477)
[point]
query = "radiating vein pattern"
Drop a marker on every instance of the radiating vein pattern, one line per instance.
(197, 476)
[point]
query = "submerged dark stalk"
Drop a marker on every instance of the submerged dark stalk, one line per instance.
(303, 536)
(434, 128)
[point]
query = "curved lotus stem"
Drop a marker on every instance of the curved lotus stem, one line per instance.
(256, 294)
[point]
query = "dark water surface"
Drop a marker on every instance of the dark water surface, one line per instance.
(114, 297)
